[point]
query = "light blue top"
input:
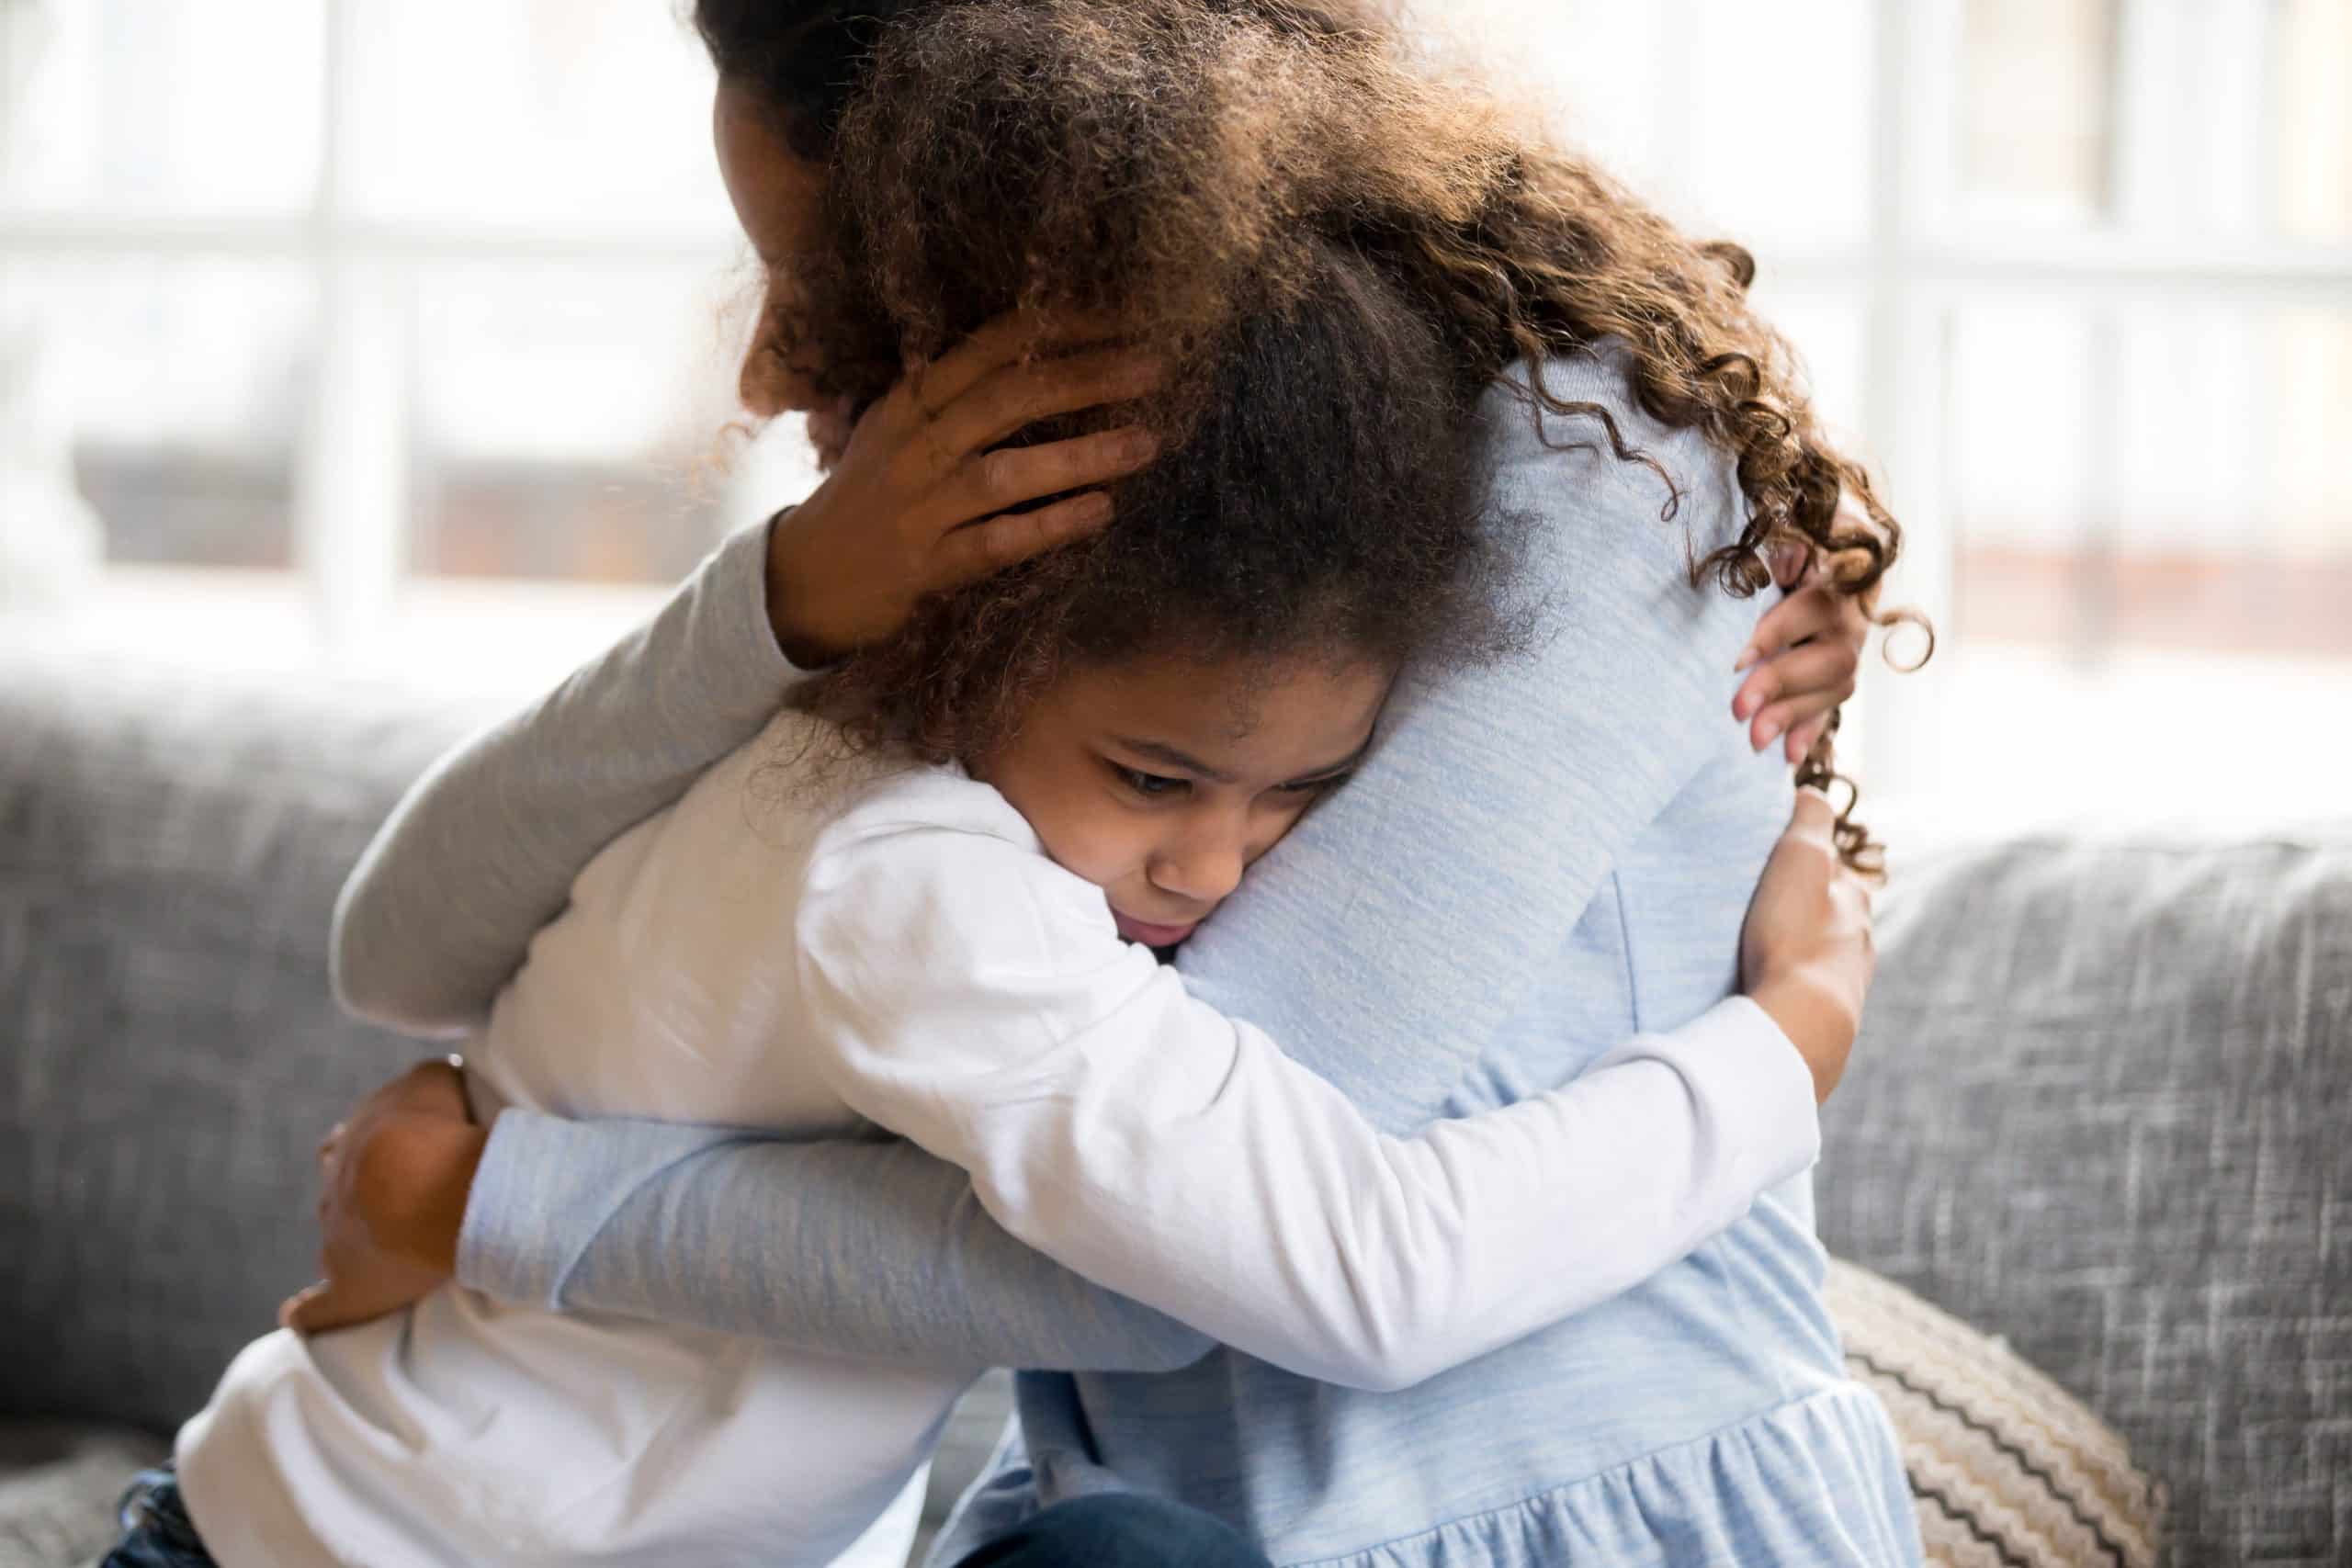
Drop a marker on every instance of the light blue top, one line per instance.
(1542, 860)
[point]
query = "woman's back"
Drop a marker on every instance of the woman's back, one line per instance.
(1708, 1398)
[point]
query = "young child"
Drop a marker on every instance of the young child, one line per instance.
(929, 889)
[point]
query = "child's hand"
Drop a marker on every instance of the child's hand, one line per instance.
(393, 1179)
(917, 503)
(1805, 655)
(1806, 953)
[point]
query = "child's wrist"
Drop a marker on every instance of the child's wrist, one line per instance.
(1817, 1020)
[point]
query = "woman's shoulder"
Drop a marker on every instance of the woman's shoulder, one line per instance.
(1569, 440)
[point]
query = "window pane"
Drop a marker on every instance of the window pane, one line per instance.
(2164, 477)
(2163, 118)
(593, 110)
(570, 421)
(173, 393)
(2153, 547)
(172, 106)
(1744, 121)
(1777, 106)
(2311, 120)
(1825, 327)
(2036, 103)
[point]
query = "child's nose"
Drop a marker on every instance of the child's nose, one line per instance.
(1202, 869)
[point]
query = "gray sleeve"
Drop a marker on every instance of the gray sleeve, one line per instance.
(867, 1249)
(483, 850)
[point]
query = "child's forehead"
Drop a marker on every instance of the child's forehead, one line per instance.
(1257, 713)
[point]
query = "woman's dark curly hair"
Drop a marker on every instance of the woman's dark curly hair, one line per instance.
(1186, 163)
(1327, 502)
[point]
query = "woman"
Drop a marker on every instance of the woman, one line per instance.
(1431, 943)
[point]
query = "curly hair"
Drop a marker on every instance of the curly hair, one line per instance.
(1184, 164)
(1329, 502)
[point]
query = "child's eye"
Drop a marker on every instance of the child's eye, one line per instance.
(1152, 786)
(1324, 786)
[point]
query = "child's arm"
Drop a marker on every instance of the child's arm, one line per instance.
(972, 996)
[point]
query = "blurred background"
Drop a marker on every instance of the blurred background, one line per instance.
(395, 338)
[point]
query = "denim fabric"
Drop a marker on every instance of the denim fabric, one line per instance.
(1118, 1532)
(157, 1532)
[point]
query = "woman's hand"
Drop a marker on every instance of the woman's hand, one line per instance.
(393, 1178)
(1806, 653)
(917, 501)
(1806, 953)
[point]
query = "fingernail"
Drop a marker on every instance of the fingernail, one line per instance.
(1746, 658)
(1742, 704)
(1772, 733)
(1139, 448)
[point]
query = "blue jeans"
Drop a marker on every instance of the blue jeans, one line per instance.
(1119, 1531)
(157, 1532)
(1110, 1531)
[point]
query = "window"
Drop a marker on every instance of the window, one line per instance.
(341, 313)
(368, 311)
(2077, 276)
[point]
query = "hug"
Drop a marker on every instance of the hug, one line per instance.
(1223, 859)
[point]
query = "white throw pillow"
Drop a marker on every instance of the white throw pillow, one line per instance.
(2009, 1469)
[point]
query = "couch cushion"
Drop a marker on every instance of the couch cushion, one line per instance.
(170, 851)
(2101, 1107)
(59, 1485)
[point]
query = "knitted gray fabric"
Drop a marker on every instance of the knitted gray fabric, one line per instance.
(168, 857)
(59, 1485)
(2101, 1107)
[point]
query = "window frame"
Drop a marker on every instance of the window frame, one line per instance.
(1920, 263)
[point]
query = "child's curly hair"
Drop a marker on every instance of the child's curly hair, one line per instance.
(1188, 163)
(1329, 501)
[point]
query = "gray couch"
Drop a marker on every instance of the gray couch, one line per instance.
(2102, 1108)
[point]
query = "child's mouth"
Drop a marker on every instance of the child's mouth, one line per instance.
(1149, 935)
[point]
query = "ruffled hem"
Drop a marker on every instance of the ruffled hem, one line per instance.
(1815, 1484)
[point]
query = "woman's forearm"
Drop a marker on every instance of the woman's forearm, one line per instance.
(857, 1249)
(483, 850)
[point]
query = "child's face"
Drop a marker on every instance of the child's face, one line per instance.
(1162, 781)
